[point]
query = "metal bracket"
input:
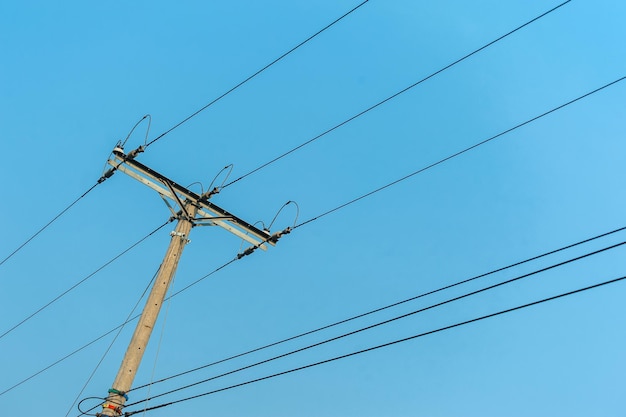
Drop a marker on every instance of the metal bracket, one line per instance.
(180, 235)
(208, 214)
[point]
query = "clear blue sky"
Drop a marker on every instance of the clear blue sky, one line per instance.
(75, 78)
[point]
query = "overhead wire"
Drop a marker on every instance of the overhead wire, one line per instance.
(107, 333)
(380, 346)
(146, 144)
(273, 161)
(404, 90)
(107, 174)
(58, 297)
(385, 322)
(387, 186)
(257, 72)
(384, 187)
(461, 152)
(44, 227)
(69, 355)
(108, 349)
(58, 361)
(147, 116)
(388, 306)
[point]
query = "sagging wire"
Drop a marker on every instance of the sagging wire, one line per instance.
(86, 413)
(406, 300)
(394, 342)
(198, 183)
(281, 209)
(114, 405)
(122, 143)
(211, 191)
(388, 321)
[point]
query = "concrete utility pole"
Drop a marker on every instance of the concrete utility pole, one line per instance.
(194, 210)
(136, 348)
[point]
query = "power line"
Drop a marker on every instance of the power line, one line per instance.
(397, 94)
(106, 175)
(303, 334)
(461, 152)
(112, 342)
(385, 307)
(418, 311)
(257, 73)
(49, 223)
(65, 357)
(406, 339)
(58, 297)
(107, 333)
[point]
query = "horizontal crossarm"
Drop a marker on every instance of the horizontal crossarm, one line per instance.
(208, 212)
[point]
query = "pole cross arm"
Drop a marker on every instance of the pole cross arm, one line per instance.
(207, 213)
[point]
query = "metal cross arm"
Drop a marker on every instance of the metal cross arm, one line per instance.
(207, 213)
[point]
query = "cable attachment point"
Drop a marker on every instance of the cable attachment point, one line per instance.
(182, 236)
(206, 196)
(274, 238)
(108, 174)
(247, 252)
(132, 154)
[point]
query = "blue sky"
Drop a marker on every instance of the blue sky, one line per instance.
(77, 76)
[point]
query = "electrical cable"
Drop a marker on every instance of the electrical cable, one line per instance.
(106, 352)
(256, 73)
(397, 94)
(394, 342)
(404, 301)
(55, 218)
(147, 116)
(421, 310)
(202, 278)
(103, 178)
(441, 161)
(85, 413)
(281, 209)
(107, 333)
(231, 166)
(66, 357)
(303, 334)
(83, 280)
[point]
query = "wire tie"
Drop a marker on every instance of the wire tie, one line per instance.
(118, 392)
(115, 408)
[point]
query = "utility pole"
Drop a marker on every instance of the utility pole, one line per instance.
(193, 210)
